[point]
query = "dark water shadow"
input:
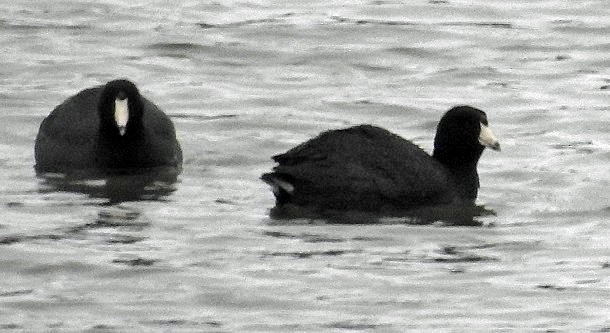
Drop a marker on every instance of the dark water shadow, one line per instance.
(122, 226)
(117, 186)
(448, 215)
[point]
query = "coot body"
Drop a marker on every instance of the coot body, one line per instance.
(105, 130)
(367, 168)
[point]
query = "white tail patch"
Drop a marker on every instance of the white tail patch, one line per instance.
(280, 184)
(121, 114)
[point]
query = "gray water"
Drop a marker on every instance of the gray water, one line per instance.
(244, 80)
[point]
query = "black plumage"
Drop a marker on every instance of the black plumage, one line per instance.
(82, 134)
(367, 168)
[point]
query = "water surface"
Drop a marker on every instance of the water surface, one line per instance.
(245, 80)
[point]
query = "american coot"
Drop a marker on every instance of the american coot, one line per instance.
(366, 168)
(109, 129)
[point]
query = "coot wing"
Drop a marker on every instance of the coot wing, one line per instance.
(67, 136)
(362, 168)
(161, 135)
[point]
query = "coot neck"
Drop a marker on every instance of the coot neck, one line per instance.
(110, 132)
(463, 170)
(116, 151)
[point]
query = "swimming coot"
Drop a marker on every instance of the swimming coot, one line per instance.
(107, 129)
(367, 168)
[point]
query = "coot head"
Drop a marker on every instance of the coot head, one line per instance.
(120, 109)
(461, 136)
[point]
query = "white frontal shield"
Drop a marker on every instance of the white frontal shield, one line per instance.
(121, 114)
(487, 138)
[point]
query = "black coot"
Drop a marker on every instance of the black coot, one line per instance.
(109, 129)
(366, 168)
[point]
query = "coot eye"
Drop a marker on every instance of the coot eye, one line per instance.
(484, 120)
(121, 95)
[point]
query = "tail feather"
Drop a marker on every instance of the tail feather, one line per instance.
(281, 187)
